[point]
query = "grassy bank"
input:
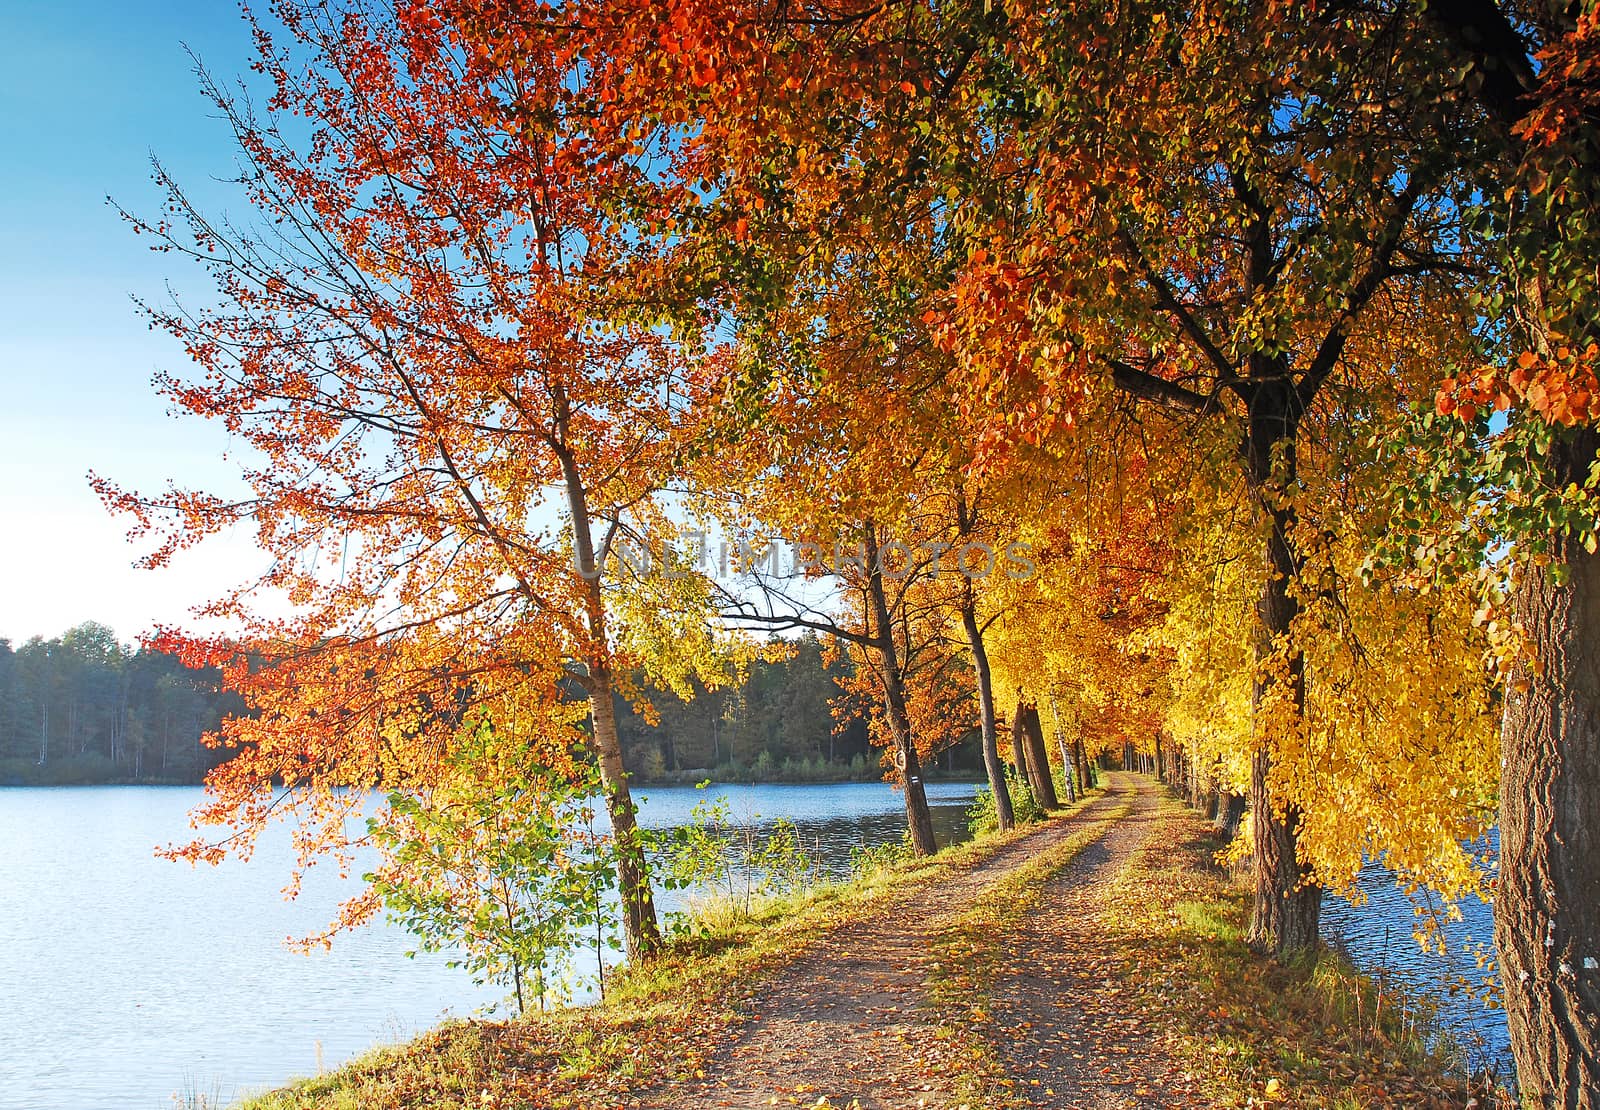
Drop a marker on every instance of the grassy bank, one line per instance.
(658, 1023)
(1248, 1032)
(1317, 1035)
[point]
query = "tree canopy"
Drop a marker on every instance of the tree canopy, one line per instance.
(1216, 378)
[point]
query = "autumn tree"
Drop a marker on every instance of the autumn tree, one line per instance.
(1209, 238)
(1072, 635)
(1522, 483)
(456, 403)
(841, 427)
(853, 580)
(968, 520)
(1232, 272)
(1244, 241)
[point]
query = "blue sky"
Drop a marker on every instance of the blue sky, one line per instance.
(88, 91)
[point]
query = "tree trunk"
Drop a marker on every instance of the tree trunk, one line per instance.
(918, 820)
(640, 932)
(1019, 752)
(991, 748)
(1547, 908)
(1044, 787)
(1230, 813)
(1068, 772)
(1023, 753)
(1285, 916)
(1547, 925)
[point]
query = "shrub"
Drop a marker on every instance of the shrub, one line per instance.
(865, 859)
(982, 817)
(726, 857)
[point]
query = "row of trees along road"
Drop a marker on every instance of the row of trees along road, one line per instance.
(1256, 337)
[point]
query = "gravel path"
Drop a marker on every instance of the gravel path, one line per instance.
(847, 1021)
(1068, 1037)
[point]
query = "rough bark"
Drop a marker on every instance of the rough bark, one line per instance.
(992, 767)
(1547, 908)
(1287, 907)
(1022, 747)
(1285, 916)
(1230, 813)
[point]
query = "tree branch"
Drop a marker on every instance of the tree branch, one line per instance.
(1148, 387)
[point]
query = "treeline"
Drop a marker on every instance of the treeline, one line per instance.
(85, 708)
(82, 708)
(778, 725)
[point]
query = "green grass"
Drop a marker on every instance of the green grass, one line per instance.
(1208, 920)
(1318, 1033)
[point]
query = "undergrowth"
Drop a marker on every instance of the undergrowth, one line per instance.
(1315, 1034)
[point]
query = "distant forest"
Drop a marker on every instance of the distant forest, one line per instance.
(84, 708)
(776, 726)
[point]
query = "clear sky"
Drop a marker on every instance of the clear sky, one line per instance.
(89, 89)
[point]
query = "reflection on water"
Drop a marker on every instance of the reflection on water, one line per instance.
(1378, 938)
(125, 979)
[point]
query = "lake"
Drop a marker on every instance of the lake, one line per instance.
(127, 981)
(1378, 938)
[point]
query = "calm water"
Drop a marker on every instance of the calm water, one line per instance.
(126, 980)
(1378, 938)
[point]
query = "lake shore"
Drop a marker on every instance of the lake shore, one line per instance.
(1093, 955)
